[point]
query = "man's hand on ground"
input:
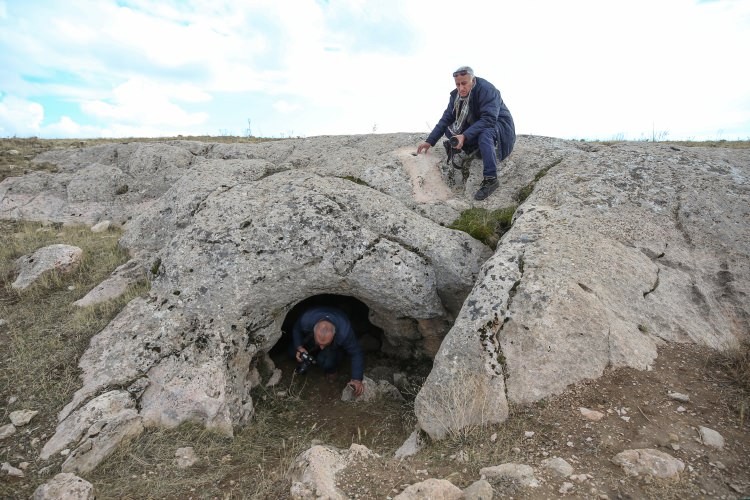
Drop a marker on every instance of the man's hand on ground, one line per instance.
(298, 354)
(423, 148)
(358, 387)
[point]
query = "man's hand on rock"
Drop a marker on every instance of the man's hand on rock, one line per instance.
(423, 148)
(358, 387)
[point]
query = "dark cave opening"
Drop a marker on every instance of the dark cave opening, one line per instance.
(370, 336)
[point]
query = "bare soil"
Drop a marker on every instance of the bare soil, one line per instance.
(639, 414)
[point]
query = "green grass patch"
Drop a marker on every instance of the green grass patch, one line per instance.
(485, 225)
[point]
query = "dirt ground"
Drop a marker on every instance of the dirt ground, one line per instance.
(639, 414)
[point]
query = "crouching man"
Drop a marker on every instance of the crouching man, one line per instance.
(325, 334)
(476, 122)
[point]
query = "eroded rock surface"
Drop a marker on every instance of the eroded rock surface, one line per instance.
(619, 248)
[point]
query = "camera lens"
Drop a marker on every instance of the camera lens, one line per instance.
(454, 141)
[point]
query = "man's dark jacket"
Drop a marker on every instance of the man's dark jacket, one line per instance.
(345, 339)
(486, 110)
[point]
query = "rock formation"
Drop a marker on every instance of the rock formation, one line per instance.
(620, 247)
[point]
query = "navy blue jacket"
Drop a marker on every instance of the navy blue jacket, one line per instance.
(343, 339)
(486, 110)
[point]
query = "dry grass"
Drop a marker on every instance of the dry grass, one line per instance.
(253, 464)
(459, 406)
(45, 335)
(481, 446)
(735, 365)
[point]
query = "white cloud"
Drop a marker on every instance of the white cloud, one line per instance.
(3, 10)
(583, 68)
(68, 128)
(284, 107)
(146, 103)
(20, 117)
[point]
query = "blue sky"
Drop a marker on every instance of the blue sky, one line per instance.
(577, 69)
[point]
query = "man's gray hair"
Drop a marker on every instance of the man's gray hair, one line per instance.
(464, 70)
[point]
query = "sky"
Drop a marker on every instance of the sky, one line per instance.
(575, 69)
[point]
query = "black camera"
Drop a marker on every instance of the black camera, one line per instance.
(305, 364)
(454, 141)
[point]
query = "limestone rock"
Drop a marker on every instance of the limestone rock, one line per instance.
(19, 418)
(558, 466)
(73, 427)
(649, 264)
(610, 255)
(314, 474)
(11, 471)
(115, 285)
(7, 430)
(101, 439)
(649, 462)
(58, 257)
(677, 396)
(592, 415)
(479, 490)
(431, 489)
(360, 452)
(101, 227)
(275, 378)
(185, 457)
(65, 486)
(710, 437)
(566, 488)
(411, 446)
(373, 390)
(520, 473)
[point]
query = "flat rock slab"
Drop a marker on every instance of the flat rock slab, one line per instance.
(60, 258)
(649, 462)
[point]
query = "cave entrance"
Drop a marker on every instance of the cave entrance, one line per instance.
(382, 422)
(370, 336)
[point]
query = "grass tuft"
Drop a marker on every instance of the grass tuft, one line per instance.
(485, 225)
(735, 365)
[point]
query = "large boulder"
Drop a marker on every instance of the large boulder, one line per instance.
(619, 248)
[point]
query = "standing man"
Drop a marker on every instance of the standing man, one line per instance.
(479, 120)
(326, 333)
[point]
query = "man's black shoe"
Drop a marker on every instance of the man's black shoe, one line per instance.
(488, 186)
